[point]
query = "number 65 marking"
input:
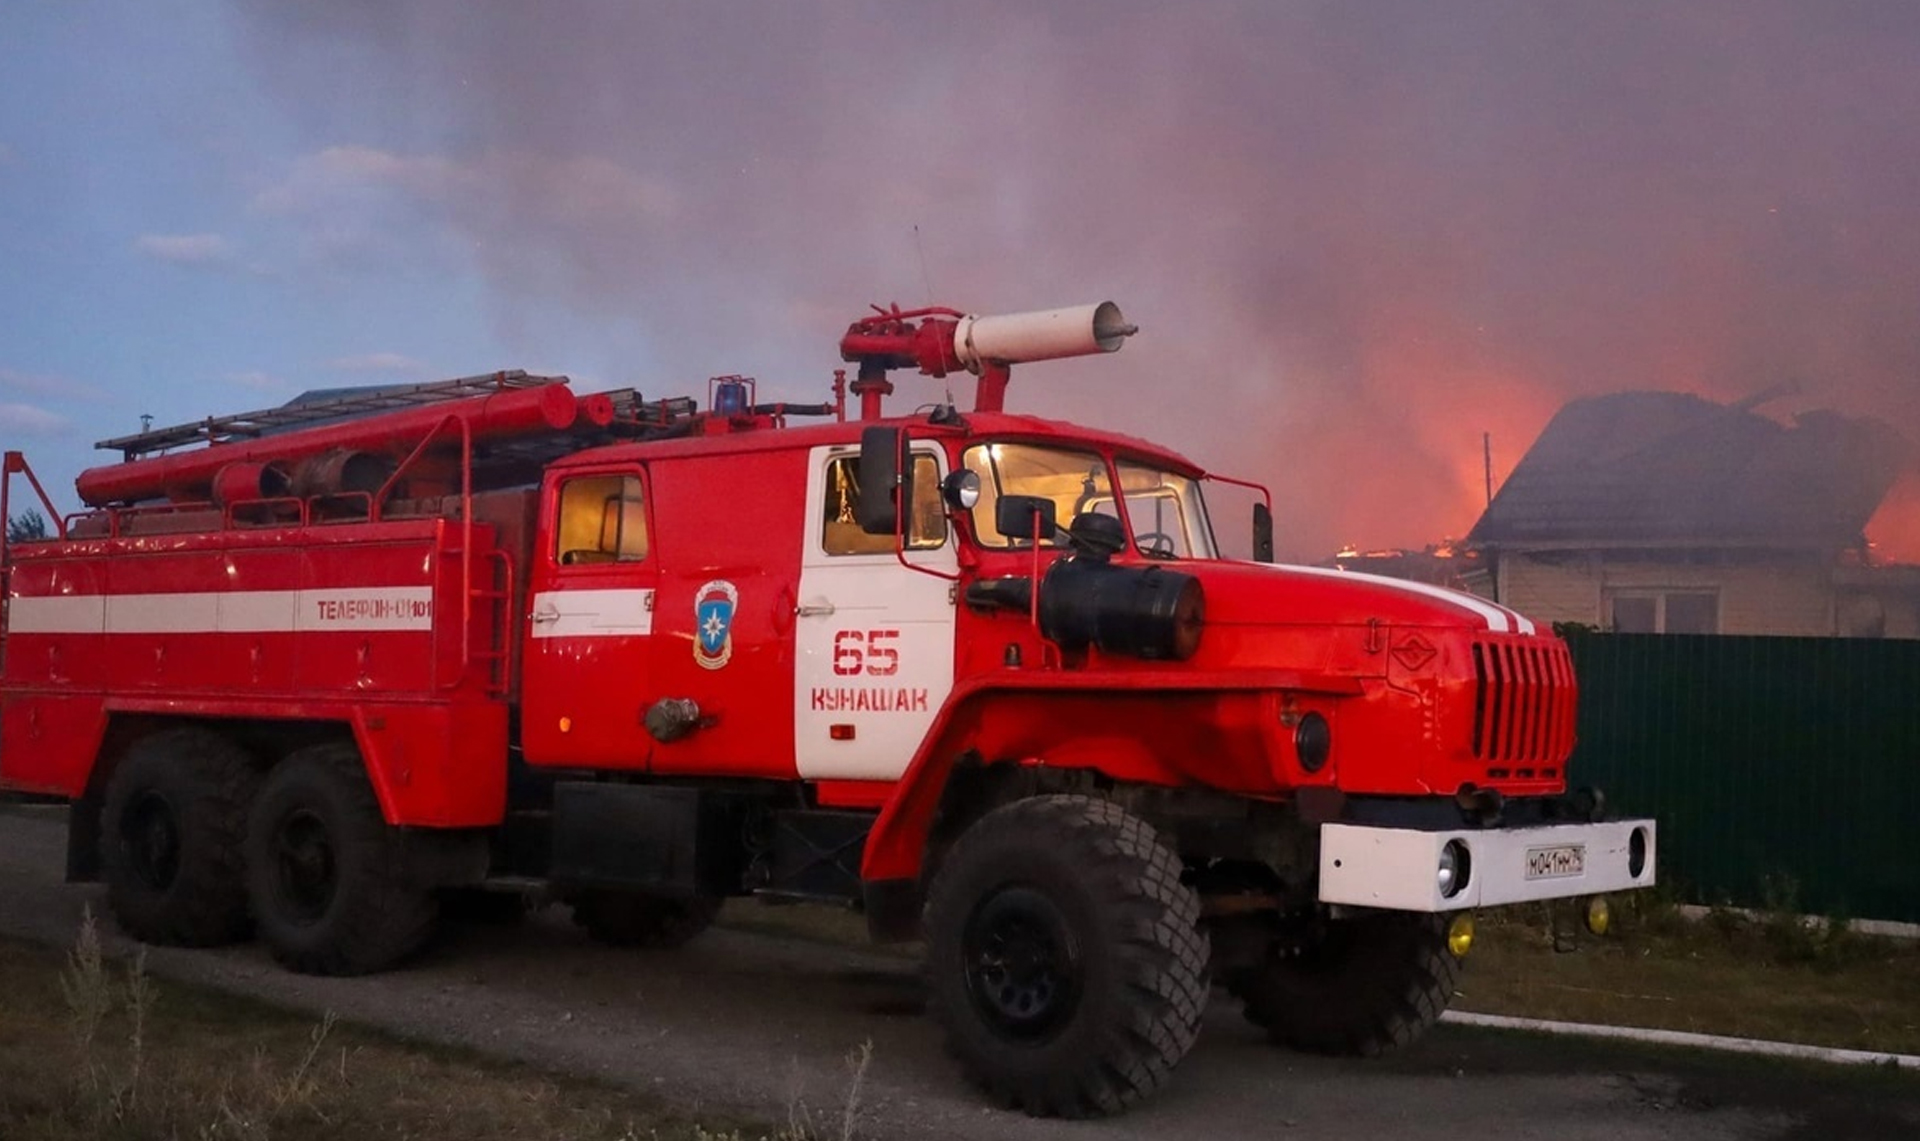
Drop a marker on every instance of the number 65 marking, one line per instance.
(873, 652)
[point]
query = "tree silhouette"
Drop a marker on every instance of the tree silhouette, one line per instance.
(26, 526)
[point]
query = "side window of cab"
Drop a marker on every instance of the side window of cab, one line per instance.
(840, 534)
(600, 519)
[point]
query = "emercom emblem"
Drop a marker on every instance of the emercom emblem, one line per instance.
(713, 606)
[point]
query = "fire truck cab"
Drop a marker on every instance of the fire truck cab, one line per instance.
(309, 673)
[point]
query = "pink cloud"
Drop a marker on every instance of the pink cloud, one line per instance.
(46, 385)
(258, 381)
(378, 362)
(185, 249)
(31, 420)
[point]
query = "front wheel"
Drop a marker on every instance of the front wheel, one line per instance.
(332, 887)
(1358, 986)
(1065, 959)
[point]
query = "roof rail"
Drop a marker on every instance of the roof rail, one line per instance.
(351, 405)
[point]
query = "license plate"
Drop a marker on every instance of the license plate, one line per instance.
(1556, 863)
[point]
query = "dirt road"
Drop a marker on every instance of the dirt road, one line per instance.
(758, 1023)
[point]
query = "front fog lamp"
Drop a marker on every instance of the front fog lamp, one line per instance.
(1456, 868)
(1460, 934)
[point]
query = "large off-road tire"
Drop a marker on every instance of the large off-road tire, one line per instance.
(333, 890)
(1359, 986)
(626, 919)
(174, 821)
(1064, 957)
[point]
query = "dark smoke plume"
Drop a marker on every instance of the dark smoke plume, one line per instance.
(1356, 236)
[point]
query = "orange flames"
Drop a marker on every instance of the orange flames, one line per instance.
(1894, 530)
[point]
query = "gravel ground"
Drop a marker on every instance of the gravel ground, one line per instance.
(759, 1024)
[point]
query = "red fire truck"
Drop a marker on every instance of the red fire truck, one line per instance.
(304, 672)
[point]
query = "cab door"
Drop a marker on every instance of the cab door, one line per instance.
(586, 672)
(874, 640)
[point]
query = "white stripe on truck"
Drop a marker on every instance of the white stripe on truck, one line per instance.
(349, 608)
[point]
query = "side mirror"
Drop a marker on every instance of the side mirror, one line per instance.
(1262, 533)
(1014, 516)
(886, 480)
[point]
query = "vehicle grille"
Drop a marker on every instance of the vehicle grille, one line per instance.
(1523, 701)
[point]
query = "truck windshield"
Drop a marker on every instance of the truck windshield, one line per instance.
(1164, 509)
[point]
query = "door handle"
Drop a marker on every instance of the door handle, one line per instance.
(814, 609)
(544, 616)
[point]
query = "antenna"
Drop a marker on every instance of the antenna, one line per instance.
(926, 280)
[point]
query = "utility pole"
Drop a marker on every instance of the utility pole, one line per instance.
(1486, 462)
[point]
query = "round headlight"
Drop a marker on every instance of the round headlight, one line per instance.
(961, 489)
(1456, 868)
(1313, 742)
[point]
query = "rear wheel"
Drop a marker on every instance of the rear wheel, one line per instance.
(331, 883)
(171, 848)
(1064, 956)
(626, 919)
(1359, 986)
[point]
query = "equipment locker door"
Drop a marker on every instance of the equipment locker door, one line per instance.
(873, 639)
(585, 676)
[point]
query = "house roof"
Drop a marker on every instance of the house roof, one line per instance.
(1671, 469)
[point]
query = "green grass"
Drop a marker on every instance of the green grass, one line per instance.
(1769, 977)
(95, 1049)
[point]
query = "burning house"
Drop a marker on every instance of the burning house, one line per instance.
(1662, 512)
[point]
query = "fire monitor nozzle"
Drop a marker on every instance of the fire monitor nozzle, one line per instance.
(1044, 335)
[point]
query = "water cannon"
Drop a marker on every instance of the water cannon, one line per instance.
(1043, 335)
(937, 341)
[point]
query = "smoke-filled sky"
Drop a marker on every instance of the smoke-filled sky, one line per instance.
(1355, 235)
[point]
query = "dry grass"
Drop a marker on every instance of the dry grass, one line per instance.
(1769, 976)
(96, 1049)
(92, 1048)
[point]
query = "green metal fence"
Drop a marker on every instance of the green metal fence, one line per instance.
(1783, 771)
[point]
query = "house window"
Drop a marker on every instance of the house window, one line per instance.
(1663, 612)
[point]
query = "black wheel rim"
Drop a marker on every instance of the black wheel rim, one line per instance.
(305, 874)
(1022, 965)
(152, 836)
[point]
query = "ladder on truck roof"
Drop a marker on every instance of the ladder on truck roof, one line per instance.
(349, 404)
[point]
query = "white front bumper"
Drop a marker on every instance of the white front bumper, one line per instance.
(1397, 868)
